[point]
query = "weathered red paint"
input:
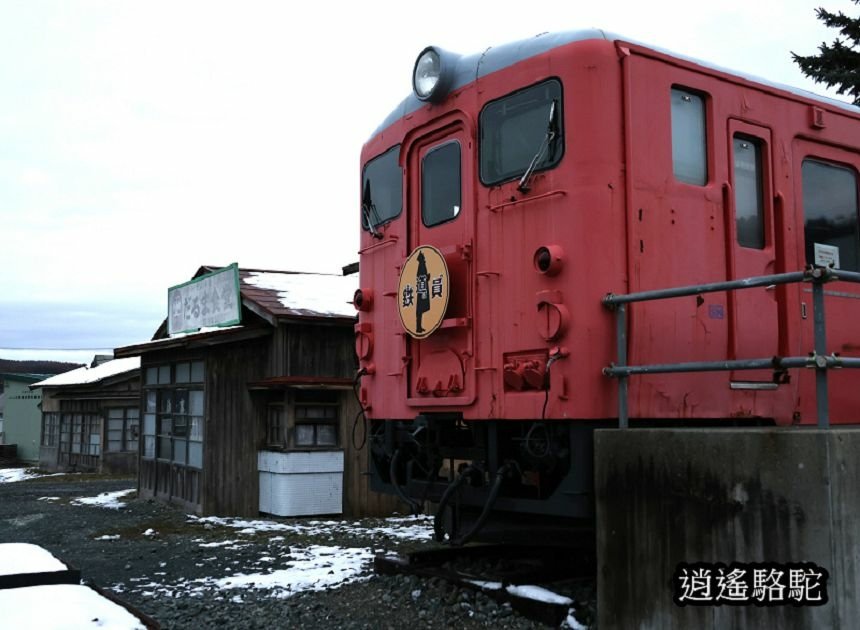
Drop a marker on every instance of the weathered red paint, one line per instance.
(623, 224)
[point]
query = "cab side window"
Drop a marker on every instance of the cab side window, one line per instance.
(830, 213)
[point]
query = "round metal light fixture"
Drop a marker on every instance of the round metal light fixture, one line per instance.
(433, 74)
(549, 259)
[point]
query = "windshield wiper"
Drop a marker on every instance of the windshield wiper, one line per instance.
(368, 212)
(551, 133)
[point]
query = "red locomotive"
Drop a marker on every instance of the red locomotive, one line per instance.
(514, 189)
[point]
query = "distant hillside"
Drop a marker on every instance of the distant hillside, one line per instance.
(36, 367)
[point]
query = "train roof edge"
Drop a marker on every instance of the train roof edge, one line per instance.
(472, 67)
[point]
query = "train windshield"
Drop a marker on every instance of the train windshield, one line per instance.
(381, 189)
(513, 128)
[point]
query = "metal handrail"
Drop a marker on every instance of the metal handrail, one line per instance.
(818, 359)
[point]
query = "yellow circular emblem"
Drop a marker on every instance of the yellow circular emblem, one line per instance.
(422, 295)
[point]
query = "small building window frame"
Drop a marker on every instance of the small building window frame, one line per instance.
(315, 420)
(174, 413)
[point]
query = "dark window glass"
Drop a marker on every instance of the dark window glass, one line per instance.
(689, 144)
(381, 189)
(830, 211)
(440, 184)
(276, 425)
(749, 195)
(316, 419)
(513, 128)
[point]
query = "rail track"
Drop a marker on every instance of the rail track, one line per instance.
(535, 580)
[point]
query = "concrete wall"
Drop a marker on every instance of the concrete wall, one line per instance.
(751, 495)
(22, 419)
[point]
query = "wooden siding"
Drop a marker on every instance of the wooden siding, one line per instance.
(234, 428)
(313, 350)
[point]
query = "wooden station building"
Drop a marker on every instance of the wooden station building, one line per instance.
(90, 417)
(256, 415)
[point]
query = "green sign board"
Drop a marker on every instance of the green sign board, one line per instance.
(210, 300)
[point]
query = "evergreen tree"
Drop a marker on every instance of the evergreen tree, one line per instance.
(837, 64)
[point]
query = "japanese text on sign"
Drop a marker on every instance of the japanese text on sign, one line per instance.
(210, 300)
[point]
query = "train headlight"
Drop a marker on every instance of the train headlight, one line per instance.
(433, 74)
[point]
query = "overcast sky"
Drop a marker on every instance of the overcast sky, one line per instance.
(139, 141)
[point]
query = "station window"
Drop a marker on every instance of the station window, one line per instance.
(440, 184)
(173, 414)
(689, 138)
(514, 128)
(749, 192)
(316, 418)
(381, 189)
(122, 429)
(276, 425)
(50, 428)
(830, 211)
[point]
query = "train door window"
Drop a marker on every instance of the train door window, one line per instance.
(440, 184)
(830, 212)
(519, 128)
(381, 189)
(689, 139)
(749, 192)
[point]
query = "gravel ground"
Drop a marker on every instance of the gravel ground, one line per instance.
(174, 567)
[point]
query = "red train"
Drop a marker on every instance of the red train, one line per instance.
(516, 188)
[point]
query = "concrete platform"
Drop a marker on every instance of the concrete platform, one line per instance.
(731, 495)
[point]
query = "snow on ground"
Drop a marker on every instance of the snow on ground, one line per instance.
(69, 606)
(403, 528)
(9, 475)
(539, 594)
(315, 567)
(105, 499)
(527, 591)
(312, 568)
(283, 572)
(26, 558)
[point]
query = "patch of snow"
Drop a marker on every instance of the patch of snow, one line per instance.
(402, 528)
(71, 606)
(572, 623)
(313, 568)
(538, 593)
(320, 294)
(223, 543)
(87, 374)
(11, 475)
(108, 537)
(150, 532)
(48, 499)
(26, 558)
(489, 586)
(105, 499)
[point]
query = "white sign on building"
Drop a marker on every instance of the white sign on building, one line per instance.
(210, 300)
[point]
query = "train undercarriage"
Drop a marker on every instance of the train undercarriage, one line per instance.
(493, 480)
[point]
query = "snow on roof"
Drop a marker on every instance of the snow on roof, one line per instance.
(309, 293)
(86, 375)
